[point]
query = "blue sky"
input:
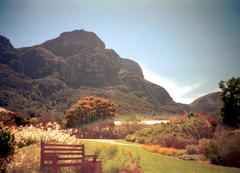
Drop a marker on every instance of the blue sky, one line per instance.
(186, 46)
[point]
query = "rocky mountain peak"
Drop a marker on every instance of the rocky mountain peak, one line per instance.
(74, 42)
(60, 71)
(5, 44)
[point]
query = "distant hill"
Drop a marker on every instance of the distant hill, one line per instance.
(48, 78)
(210, 103)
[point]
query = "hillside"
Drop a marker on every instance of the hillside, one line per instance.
(48, 78)
(210, 103)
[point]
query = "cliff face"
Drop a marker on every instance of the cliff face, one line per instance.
(73, 65)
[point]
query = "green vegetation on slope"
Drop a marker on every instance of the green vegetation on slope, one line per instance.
(185, 130)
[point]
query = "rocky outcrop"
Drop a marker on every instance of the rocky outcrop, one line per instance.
(75, 42)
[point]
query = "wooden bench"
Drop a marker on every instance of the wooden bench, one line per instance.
(56, 156)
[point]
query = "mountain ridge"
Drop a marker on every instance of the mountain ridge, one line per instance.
(76, 64)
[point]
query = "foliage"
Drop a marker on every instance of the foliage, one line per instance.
(223, 149)
(130, 138)
(45, 119)
(179, 133)
(228, 143)
(9, 118)
(6, 146)
(213, 154)
(161, 150)
(231, 99)
(89, 109)
(204, 144)
(191, 149)
(6, 141)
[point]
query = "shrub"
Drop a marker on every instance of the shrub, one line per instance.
(9, 118)
(203, 145)
(6, 142)
(228, 143)
(179, 133)
(191, 149)
(89, 109)
(209, 148)
(130, 138)
(45, 119)
(6, 146)
(213, 154)
(161, 150)
(172, 140)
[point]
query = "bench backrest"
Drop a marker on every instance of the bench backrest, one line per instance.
(62, 152)
(56, 156)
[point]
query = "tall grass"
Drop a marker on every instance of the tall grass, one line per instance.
(27, 155)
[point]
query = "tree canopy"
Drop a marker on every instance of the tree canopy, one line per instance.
(89, 109)
(231, 99)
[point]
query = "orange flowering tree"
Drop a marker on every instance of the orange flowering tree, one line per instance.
(89, 109)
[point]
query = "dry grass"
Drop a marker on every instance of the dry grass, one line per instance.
(49, 133)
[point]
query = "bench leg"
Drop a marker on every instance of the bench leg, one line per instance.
(55, 168)
(98, 168)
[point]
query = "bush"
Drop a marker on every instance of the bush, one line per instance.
(172, 140)
(6, 142)
(161, 150)
(191, 149)
(209, 148)
(228, 143)
(180, 132)
(89, 109)
(224, 149)
(9, 118)
(130, 138)
(203, 145)
(213, 154)
(6, 146)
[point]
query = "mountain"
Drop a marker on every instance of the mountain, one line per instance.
(49, 77)
(210, 104)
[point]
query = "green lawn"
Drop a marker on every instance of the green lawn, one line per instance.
(156, 163)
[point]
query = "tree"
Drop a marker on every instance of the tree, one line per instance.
(231, 99)
(89, 109)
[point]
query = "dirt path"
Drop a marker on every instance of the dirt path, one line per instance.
(110, 141)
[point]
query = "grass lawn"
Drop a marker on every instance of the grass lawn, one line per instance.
(156, 163)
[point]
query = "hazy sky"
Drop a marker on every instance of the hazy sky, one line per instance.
(186, 46)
